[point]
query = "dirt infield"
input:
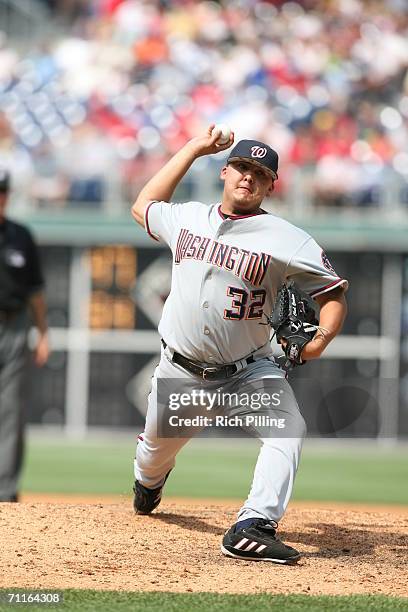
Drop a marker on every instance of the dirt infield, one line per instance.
(105, 546)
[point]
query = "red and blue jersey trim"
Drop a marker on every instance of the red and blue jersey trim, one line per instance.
(147, 222)
(260, 211)
(336, 283)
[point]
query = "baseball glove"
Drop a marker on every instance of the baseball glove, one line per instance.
(294, 321)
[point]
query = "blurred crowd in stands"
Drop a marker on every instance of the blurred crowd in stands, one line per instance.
(92, 113)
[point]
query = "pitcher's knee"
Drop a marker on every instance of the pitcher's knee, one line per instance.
(300, 427)
(295, 426)
(290, 438)
(292, 426)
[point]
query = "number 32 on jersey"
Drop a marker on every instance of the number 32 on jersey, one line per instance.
(245, 305)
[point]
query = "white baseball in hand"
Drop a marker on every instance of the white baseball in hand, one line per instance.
(224, 131)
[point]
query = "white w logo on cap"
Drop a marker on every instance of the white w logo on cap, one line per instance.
(258, 151)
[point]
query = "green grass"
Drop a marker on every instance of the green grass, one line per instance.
(111, 601)
(206, 468)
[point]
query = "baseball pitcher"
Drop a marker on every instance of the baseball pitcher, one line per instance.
(237, 270)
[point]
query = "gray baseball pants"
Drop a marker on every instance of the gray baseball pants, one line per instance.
(280, 450)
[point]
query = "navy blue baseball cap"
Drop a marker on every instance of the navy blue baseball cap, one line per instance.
(257, 153)
(4, 180)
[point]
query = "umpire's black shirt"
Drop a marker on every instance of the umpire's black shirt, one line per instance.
(20, 271)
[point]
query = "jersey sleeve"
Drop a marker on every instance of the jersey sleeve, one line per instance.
(311, 269)
(162, 220)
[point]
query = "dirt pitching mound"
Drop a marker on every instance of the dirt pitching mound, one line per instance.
(105, 546)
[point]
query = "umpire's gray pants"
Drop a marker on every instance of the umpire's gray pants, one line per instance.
(13, 355)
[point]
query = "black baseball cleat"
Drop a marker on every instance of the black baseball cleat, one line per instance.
(258, 542)
(146, 500)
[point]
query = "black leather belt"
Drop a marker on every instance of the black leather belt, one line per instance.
(207, 372)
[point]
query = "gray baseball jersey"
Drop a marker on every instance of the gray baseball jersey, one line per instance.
(226, 273)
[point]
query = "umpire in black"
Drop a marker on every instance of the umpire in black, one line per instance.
(21, 300)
